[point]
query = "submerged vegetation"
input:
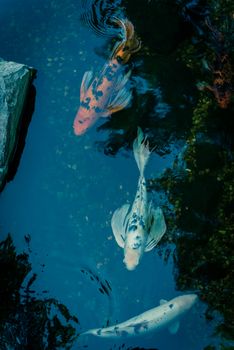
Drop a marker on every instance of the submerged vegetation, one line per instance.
(199, 189)
(183, 97)
(27, 321)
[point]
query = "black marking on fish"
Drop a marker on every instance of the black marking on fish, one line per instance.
(171, 306)
(85, 103)
(99, 94)
(99, 332)
(109, 76)
(141, 222)
(134, 221)
(136, 245)
(119, 59)
(97, 109)
(132, 228)
(100, 290)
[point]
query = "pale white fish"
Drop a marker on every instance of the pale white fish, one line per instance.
(168, 314)
(138, 229)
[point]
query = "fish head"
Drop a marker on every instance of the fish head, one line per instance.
(133, 250)
(131, 258)
(84, 119)
(185, 302)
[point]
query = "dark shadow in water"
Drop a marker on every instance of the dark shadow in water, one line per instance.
(26, 320)
(22, 133)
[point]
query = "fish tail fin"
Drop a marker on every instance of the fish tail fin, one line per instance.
(93, 331)
(141, 151)
(130, 42)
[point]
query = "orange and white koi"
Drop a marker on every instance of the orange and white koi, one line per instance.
(106, 93)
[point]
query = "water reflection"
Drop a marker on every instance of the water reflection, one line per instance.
(180, 121)
(199, 188)
(27, 320)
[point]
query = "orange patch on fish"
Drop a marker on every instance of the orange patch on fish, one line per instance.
(107, 93)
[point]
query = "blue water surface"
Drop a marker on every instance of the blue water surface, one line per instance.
(66, 188)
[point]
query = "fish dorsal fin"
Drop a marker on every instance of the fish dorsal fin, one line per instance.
(118, 224)
(156, 226)
(85, 84)
(162, 301)
(173, 328)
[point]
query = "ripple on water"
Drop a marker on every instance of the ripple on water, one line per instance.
(97, 14)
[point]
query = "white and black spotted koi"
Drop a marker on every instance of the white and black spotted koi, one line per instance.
(138, 229)
(167, 314)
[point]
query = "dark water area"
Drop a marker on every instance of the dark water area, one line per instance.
(67, 187)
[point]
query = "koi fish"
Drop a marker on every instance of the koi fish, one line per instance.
(139, 229)
(221, 69)
(168, 314)
(106, 93)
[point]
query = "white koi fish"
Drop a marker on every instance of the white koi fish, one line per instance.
(139, 229)
(167, 314)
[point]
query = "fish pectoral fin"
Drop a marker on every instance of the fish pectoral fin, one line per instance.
(120, 100)
(85, 84)
(118, 224)
(173, 328)
(122, 81)
(105, 114)
(156, 226)
(162, 301)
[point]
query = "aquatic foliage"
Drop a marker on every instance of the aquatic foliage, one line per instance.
(27, 321)
(199, 186)
(200, 189)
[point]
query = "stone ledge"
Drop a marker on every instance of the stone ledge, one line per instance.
(15, 82)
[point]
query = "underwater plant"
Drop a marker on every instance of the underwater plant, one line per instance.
(26, 321)
(200, 198)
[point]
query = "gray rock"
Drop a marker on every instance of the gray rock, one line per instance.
(15, 81)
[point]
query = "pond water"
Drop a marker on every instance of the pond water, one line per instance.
(67, 187)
